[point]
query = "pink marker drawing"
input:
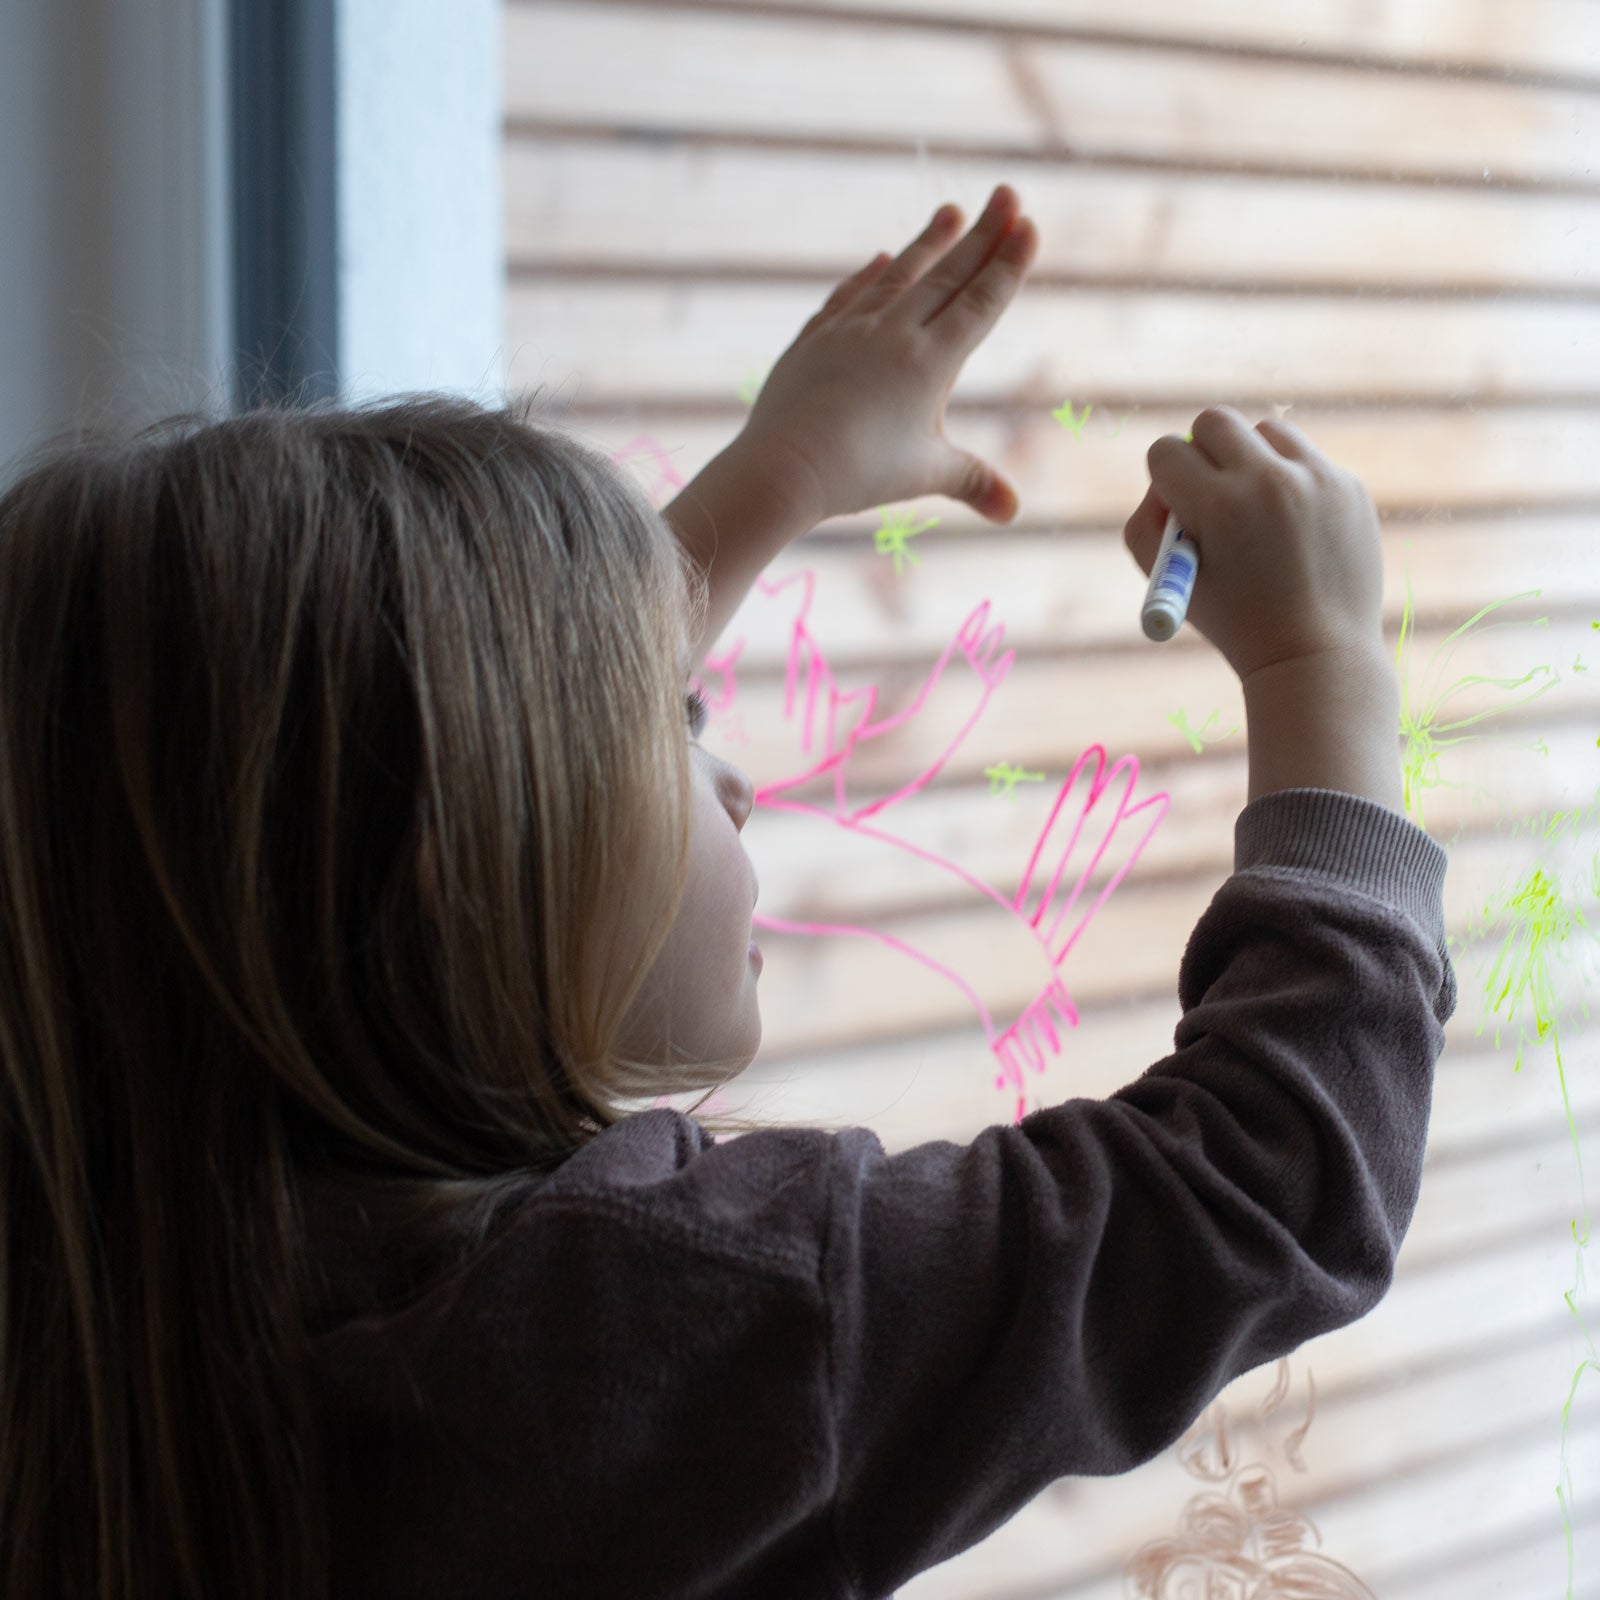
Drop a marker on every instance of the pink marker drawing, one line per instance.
(1037, 925)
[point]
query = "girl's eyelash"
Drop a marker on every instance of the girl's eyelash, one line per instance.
(699, 709)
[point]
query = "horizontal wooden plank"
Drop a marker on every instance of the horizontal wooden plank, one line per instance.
(1481, 1103)
(669, 69)
(936, 1086)
(992, 837)
(938, 1089)
(1043, 715)
(941, 1084)
(575, 205)
(1534, 1565)
(1513, 1175)
(832, 993)
(1485, 785)
(1061, 595)
(1558, 37)
(1509, 1191)
(627, 343)
(1423, 463)
(821, 991)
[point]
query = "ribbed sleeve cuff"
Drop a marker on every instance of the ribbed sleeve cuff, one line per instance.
(1356, 840)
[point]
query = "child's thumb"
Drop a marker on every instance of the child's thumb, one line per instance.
(1142, 531)
(975, 483)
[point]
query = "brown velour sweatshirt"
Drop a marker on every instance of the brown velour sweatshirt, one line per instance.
(793, 1367)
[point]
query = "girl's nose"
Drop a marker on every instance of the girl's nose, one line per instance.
(737, 793)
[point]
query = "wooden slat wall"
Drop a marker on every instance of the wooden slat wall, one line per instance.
(1385, 216)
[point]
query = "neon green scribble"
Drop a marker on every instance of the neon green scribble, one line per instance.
(1065, 417)
(893, 538)
(1422, 729)
(1541, 918)
(1004, 778)
(753, 384)
(1541, 921)
(1180, 720)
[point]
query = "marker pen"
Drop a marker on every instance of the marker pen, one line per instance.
(1166, 601)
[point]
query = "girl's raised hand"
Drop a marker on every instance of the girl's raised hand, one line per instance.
(852, 415)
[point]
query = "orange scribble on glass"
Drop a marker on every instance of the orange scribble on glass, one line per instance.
(1241, 1543)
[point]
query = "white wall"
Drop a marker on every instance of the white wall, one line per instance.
(422, 257)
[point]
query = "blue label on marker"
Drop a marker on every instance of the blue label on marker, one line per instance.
(1178, 575)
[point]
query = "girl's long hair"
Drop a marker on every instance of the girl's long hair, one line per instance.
(324, 732)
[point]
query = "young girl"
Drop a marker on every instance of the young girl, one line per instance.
(362, 879)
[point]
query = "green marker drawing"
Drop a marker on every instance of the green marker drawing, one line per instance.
(1423, 730)
(1004, 778)
(1541, 918)
(752, 385)
(1065, 417)
(1180, 720)
(894, 537)
(1577, 664)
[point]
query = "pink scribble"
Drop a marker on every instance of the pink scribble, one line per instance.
(717, 1105)
(1038, 928)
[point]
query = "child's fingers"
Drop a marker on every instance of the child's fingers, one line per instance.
(966, 262)
(965, 318)
(1181, 474)
(914, 260)
(846, 291)
(849, 287)
(1226, 438)
(1142, 531)
(1287, 439)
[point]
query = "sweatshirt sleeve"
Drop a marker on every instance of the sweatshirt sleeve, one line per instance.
(1067, 1295)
